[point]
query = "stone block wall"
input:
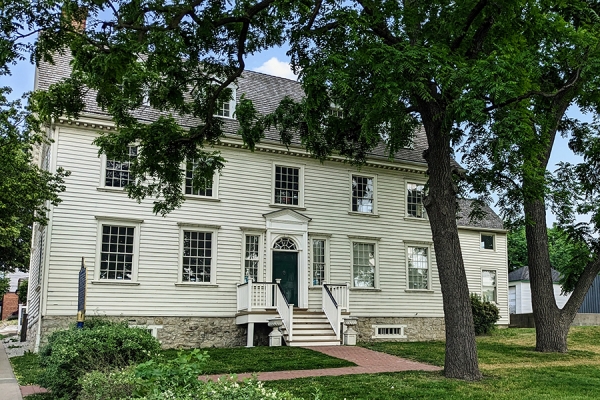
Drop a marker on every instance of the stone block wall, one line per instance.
(177, 332)
(416, 330)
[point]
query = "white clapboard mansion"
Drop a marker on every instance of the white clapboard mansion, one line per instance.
(340, 241)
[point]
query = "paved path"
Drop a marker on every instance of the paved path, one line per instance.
(367, 361)
(9, 387)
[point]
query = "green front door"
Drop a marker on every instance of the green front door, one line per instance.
(285, 267)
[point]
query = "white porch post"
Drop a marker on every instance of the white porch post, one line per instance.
(250, 338)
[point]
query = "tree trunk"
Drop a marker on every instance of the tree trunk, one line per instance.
(551, 334)
(440, 202)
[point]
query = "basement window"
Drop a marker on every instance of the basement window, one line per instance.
(389, 332)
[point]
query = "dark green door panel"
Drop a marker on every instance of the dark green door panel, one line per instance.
(285, 267)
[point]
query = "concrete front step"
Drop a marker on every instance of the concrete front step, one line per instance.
(296, 343)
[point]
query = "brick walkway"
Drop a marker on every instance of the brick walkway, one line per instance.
(367, 361)
(32, 389)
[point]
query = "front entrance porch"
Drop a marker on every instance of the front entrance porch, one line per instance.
(258, 302)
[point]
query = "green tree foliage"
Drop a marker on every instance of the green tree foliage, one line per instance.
(4, 286)
(452, 67)
(25, 189)
(510, 155)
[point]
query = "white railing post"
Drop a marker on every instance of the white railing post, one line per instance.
(250, 294)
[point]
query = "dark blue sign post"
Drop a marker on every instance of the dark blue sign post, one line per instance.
(81, 295)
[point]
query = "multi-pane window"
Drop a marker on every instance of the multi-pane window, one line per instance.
(116, 256)
(487, 242)
(117, 173)
(488, 285)
(363, 264)
(251, 258)
(197, 256)
(336, 112)
(318, 261)
(287, 185)
(362, 194)
(414, 200)
(206, 187)
(418, 267)
(223, 109)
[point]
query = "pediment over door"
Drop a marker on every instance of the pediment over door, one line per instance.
(286, 216)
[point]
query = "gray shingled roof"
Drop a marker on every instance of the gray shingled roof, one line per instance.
(264, 90)
(522, 274)
(491, 220)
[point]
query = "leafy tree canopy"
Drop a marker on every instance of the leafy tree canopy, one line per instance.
(25, 189)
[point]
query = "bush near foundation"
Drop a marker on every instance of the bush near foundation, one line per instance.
(100, 346)
(485, 315)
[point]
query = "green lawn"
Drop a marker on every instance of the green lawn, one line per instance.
(512, 370)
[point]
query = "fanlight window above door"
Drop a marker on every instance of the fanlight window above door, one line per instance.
(284, 243)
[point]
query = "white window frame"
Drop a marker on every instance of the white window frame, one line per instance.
(326, 260)
(213, 260)
(232, 103)
(407, 182)
(375, 244)
(300, 184)
(215, 187)
(261, 251)
(115, 221)
(429, 269)
(374, 178)
(103, 161)
(495, 300)
(493, 235)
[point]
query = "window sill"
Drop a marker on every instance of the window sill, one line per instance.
(418, 291)
(115, 282)
(111, 189)
(196, 284)
(365, 289)
(416, 219)
(201, 198)
(293, 207)
(363, 214)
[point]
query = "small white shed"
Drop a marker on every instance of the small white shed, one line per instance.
(519, 291)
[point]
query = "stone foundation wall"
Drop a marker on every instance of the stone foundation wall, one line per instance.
(178, 332)
(416, 330)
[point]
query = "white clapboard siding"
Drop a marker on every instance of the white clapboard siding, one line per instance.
(244, 196)
(477, 259)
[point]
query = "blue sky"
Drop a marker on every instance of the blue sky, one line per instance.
(273, 62)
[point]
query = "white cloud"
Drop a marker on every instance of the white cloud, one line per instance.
(278, 68)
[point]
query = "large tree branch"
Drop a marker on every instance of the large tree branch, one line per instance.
(581, 288)
(570, 83)
(379, 28)
(470, 19)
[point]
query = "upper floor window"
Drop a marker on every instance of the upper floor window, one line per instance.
(363, 194)
(287, 185)
(418, 267)
(414, 200)
(487, 241)
(117, 173)
(205, 189)
(488, 286)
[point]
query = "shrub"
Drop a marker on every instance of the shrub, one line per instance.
(114, 385)
(485, 315)
(103, 346)
(22, 291)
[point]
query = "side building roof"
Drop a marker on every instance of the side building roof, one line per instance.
(522, 274)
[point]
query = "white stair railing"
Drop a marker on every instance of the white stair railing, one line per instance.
(285, 310)
(332, 310)
(341, 294)
(256, 295)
